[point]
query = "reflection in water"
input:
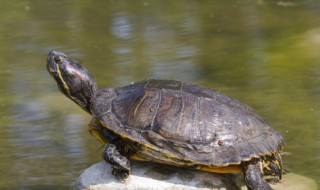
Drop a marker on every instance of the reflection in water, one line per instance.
(44, 146)
(257, 43)
(163, 62)
(121, 28)
(252, 51)
(74, 143)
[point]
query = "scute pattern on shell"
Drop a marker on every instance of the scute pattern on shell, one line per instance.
(185, 122)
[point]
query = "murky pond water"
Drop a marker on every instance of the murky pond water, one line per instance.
(264, 53)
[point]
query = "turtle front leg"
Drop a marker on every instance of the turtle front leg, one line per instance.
(121, 164)
(253, 175)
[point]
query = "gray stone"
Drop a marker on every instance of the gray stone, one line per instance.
(156, 176)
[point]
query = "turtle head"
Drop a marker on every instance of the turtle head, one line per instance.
(73, 80)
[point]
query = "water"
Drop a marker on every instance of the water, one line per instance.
(264, 53)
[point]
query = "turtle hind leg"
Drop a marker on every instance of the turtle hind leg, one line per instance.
(121, 164)
(273, 166)
(253, 175)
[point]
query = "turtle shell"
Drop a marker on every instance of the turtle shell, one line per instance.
(177, 123)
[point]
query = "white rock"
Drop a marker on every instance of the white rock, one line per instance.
(162, 177)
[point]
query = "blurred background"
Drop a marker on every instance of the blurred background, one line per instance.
(264, 53)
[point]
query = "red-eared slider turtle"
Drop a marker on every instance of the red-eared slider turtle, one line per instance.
(173, 123)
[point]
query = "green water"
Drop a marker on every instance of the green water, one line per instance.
(264, 53)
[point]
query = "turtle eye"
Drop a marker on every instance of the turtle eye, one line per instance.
(57, 59)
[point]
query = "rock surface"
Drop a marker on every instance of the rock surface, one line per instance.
(157, 176)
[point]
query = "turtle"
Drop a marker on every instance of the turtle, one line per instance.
(172, 123)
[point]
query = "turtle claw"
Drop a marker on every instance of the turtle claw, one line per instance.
(273, 180)
(121, 175)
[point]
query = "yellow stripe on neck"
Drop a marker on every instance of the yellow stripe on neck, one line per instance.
(63, 82)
